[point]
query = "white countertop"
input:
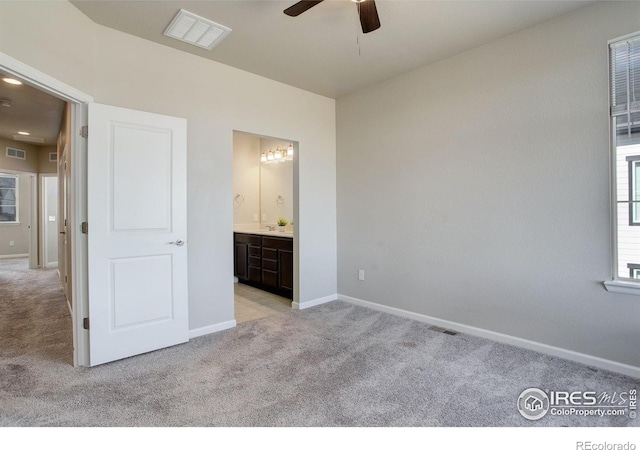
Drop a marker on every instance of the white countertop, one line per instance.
(277, 233)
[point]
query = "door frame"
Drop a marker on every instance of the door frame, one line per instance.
(43, 220)
(78, 101)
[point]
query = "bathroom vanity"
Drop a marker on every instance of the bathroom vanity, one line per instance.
(264, 259)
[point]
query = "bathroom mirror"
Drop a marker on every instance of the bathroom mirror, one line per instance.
(262, 190)
(276, 185)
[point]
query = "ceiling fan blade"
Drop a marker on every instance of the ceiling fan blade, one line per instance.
(368, 16)
(301, 7)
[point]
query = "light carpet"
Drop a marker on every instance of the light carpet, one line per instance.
(332, 365)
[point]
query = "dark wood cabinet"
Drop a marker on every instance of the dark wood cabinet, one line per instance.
(286, 269)
(240, 256)
(265, 262)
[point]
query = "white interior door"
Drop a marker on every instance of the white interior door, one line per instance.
(136, 186)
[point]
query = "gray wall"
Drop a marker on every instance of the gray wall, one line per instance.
(130, 72)
(246, 179)
(476, 189)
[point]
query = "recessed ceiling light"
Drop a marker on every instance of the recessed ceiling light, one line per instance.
(6, 102)
(24, 133)
(11, 81)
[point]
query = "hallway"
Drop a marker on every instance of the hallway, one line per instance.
(35, 322)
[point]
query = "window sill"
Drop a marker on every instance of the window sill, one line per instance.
(622, 287)
(9, 224)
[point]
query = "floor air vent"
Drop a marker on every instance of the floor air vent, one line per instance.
(443, 330)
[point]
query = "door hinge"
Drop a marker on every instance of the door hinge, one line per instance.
(84, 131)
(85, 323)
(85, 227)
(65, 278)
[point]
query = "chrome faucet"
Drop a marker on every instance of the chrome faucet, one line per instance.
(271, 227)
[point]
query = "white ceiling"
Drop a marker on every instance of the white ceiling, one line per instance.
(318, 51)
(33, 111)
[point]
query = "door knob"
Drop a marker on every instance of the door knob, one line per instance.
(179, 243)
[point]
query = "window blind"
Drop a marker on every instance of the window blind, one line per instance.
(625, 85)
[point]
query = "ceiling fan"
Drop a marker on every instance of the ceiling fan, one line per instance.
(366, 10)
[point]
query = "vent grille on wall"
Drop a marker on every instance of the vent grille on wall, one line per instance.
(16, 153)
(53, 157)
(196, 30)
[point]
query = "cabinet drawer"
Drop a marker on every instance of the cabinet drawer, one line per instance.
(255, 274)
(255, 261)
(278, 243)
(270, 278)
(254, 251)
(270, 264)
(248, 238)
(269, 253)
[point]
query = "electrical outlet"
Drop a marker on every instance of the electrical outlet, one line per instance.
(264, 217)
(12, 243)
(361, 275)
(255, 217)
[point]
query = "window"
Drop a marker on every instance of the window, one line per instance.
(8, 198)
(634, 190)
(634, 271)
(624, 67)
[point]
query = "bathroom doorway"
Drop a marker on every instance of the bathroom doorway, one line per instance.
(265, 211)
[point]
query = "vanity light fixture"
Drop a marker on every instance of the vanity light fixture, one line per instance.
(277, 155)
(12, 81)
(24, 133)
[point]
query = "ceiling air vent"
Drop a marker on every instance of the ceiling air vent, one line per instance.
(196, 30)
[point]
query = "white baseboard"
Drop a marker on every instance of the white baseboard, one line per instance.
(211, 329)
(18, 255)
(52, 265)
(315, 302)
(583, 358)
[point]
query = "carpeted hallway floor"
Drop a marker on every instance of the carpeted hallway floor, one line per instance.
(332, 365)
